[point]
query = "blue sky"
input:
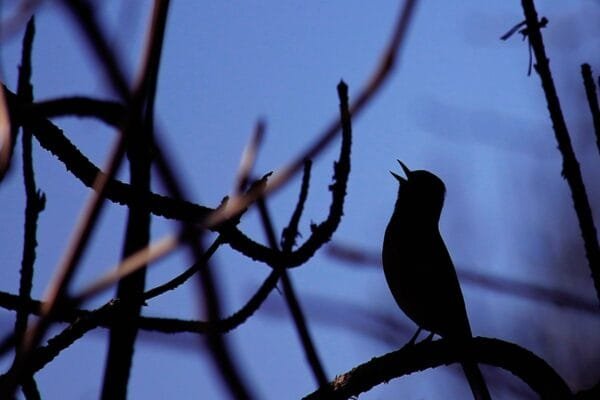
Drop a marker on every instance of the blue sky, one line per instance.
(459, 103)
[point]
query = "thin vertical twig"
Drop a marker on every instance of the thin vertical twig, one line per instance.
(123, 335)
(571, 170)
(292, 300)
(248, 158)
(592, 97)
(34, 204)
(289, 234)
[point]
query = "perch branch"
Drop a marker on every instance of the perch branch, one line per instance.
(534, 371)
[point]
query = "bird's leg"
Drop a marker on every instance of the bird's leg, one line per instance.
(412, 340)
(429, 337)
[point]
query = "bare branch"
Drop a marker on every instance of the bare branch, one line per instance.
(522, 363)
(110, 112)
(590, 91)
(294, 305)
(248, 158)
(571, 171)
(289, 234)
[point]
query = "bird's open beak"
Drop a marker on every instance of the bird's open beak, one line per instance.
(404, 168)
(406, 171)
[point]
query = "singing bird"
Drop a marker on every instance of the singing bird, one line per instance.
(418, 268)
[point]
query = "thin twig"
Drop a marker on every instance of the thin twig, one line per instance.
(34, 204)
(102, 317)
(590, 91)
(293, 303)
(248, 158)
(289, 234)
(8, 131)
(185, 275)
(571, 170)
(224, 360)
(34, 201)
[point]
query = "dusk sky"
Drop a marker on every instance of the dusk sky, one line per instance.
(459, 103)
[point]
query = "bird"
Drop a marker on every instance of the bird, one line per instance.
(419, 270)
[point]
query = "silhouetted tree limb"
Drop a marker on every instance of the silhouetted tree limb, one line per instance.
(130, 117)
(289, 234)
(52, 139)
(590, 92)
(531, 369)
(571, 171)
(164, 325)
(122, 335)
(34, 204)
(308, 345)
(110, 112)
(320, 233)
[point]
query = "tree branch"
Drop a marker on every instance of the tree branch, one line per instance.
(531, 369)
(571, 171)
(590, 92)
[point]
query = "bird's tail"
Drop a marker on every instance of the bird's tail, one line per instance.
(476, 381)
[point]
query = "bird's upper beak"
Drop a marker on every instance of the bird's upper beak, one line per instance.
(407, 172)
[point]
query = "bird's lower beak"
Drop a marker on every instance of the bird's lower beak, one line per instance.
(398, 177)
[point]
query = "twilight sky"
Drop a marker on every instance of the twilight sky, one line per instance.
(459, 103)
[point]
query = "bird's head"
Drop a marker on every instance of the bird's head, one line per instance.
(421, 192)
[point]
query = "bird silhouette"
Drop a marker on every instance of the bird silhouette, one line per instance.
(419, 270)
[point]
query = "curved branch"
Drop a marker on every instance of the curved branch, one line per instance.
(322, 232)
(110, 112)
(82, 321)
(522, 363)
(52, 139)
